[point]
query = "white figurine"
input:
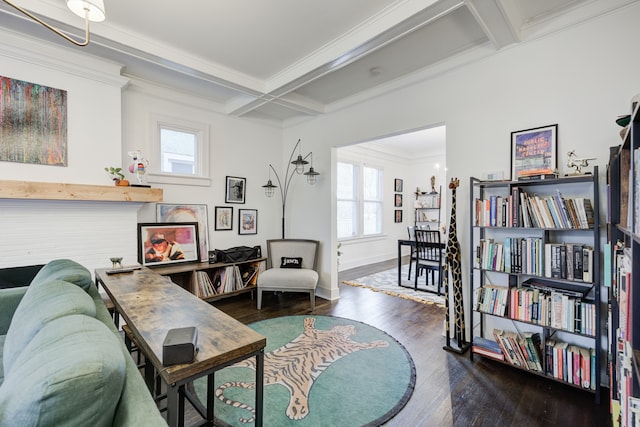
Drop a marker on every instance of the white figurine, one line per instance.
(139, 165)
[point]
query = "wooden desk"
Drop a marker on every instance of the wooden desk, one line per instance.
(151, 304)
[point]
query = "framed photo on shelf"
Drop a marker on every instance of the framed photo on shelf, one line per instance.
(247, 221)
(166, 212)
(397, 185)
(398, 201)
(162, 243)
(235, 189)
(224, 218)
(397, 217)
(534, 152)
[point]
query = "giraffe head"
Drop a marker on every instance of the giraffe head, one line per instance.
(455, 182)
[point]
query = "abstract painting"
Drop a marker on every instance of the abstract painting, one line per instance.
(33, 123)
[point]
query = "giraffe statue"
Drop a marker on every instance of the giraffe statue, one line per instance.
(452, 264)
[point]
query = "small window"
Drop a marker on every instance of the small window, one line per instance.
(181, 154)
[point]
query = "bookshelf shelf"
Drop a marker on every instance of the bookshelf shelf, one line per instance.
(536, 255)
(191, 277)
(622, 256)
(427, 210)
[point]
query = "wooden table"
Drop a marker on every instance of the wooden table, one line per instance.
(151, 304)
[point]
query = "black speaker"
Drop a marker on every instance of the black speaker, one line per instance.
(180, 346)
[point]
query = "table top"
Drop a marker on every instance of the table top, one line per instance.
(151, 305)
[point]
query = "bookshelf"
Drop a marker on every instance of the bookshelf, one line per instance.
(535, 279)
(214, 281)
(622, 259)
(427, 209)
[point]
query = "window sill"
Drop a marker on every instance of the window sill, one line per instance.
(361, 239)
(158, 178)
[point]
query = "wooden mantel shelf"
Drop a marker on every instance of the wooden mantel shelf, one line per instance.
(60, 191)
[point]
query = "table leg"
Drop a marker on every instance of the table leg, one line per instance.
(259, 387)
(210, 397)
(400, 263)
(172, 405)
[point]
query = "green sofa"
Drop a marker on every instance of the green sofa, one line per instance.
(62, 360)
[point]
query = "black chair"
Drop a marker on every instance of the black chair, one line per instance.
(428, 257)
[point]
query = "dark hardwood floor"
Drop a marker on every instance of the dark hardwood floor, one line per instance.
(451, 390)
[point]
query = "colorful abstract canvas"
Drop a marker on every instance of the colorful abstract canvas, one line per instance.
(33, 123)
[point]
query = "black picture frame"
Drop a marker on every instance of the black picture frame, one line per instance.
(223, 218)
(534, 152)
(247, 221)
(397, 201)
(180, 237)
(397, 215)
(397, 185)
(235, 189)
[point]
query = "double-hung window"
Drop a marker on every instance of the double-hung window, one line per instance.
(359, 200)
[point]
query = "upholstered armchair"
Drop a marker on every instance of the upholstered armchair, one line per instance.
(291, 267)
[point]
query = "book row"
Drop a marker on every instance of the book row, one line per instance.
(566, 362)
(541, 307)
(571, 363)
(529, 255)
(227, 279)
(521, 209)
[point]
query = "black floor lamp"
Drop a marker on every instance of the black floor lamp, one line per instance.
(298, 169)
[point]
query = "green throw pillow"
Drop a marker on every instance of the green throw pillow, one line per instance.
(71, 374)
(42, 303)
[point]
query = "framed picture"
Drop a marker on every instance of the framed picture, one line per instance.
(235, 189)
(166, 212)
(534, 151)
(397, 184)
(224, 218)
(397, 217)
(161, 243)
(398, 201)
(247, 221)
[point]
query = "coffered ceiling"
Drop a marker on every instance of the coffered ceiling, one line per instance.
(290, 59)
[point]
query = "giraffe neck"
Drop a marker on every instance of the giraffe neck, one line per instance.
(452, 220)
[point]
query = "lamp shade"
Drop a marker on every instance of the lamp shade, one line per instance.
(299, 163)
(311, 176)
(269, 188)
(94, 8)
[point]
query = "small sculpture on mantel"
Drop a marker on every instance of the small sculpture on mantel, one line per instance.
(577, 163)
(139, 166)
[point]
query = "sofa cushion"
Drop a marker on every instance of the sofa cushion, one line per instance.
(67, 270)
(293, 279)
(43, 302)
(2, 337)
(71, 373)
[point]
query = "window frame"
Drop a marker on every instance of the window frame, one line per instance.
(360, 200)
(201, 165)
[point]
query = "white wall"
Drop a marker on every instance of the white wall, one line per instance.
(581, 78)
(35, 231)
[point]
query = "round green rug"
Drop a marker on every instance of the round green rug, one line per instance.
(319, 371)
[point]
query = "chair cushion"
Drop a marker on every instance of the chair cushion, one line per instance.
(71, 373)
(287, 278)
(43, 302)
(67, 270)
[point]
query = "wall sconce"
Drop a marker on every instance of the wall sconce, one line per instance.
(90, 10)
(299, 165)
